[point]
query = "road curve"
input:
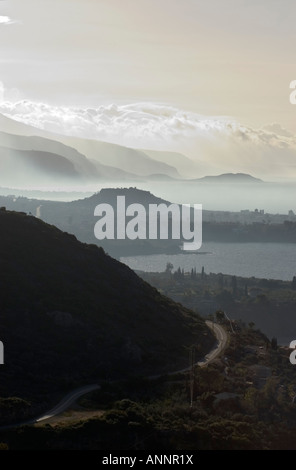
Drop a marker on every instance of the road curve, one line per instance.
(68, 400)
(71, 397)
(221, 336)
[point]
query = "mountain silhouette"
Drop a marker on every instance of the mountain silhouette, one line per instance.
(71, 315)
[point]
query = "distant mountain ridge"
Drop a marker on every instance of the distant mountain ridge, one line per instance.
(229, 178)
(30, 163)
(186, 166)
(92, 159)
(82, 167)
(95, 160)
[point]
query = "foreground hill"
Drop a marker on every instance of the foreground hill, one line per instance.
(247, 404)
(72, 315)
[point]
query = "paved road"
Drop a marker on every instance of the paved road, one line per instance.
(69, 399)
(221, 336)
(63, 405)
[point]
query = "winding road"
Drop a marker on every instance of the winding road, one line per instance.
(71, 397)
(62, 406)
(67, 401)
(221, 336)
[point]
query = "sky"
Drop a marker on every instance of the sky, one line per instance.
(193, 64)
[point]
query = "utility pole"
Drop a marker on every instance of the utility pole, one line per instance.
(229, 322)
(191, 380)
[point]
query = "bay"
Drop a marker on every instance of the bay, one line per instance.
(261, 260)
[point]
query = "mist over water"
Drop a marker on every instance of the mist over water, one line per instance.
(272, 197)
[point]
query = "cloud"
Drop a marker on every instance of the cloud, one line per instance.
(8, 95)
(219, 143)
(277, 129)
(129, 124)
(5, 20)
(1, 92)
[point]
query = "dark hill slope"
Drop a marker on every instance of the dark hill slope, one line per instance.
(70, 314)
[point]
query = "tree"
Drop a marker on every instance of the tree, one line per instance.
(202, 272)
(221, 280)
(169, 268)
(234, 286)
(220, 315)
(193, 273)
(273, 343)
(294, 283)
(178, 274)
(251, 325)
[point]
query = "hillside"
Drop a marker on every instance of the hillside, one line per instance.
(26, 160)
(244, 400)
(72, 315)
(125, 158)
(34, 143)
(18, 166)
(185, 165)
(78, 217)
